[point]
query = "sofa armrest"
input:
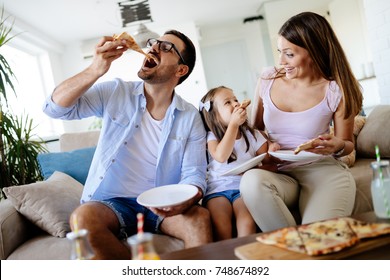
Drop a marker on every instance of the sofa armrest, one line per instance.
(14, 228)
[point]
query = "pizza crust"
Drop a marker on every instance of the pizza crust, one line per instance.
(304, 146)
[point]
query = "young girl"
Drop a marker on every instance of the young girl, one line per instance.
(230, 142)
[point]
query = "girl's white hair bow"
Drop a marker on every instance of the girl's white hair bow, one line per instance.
(205, 105)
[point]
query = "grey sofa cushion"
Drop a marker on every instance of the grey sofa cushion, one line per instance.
(48, 204)
(376, 131)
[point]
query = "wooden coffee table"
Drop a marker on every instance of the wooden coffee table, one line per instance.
(248, 248)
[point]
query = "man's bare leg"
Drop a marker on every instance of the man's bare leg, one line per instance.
(193, 227)
(103, 227)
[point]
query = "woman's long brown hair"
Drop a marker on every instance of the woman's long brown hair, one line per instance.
(312, 32)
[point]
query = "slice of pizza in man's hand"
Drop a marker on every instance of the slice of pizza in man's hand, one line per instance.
(130, 43)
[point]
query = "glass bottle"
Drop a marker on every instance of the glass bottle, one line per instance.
(142, 247)
(81, 250)
(380, 188)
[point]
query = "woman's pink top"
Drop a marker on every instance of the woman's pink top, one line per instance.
(291, 129)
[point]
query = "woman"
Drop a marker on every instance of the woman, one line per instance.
(296, 103)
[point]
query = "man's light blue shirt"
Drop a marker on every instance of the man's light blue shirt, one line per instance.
(182, 148)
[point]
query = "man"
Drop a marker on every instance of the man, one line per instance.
(150, 137)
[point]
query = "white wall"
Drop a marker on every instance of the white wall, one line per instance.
(276, 13)
(378, 28)
(351, 33)
(234, 55)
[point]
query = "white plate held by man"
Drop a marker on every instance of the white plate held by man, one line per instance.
(167, 196)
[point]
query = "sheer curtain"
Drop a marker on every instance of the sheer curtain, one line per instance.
(32, 73)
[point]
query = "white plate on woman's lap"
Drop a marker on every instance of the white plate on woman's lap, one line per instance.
(290, 156)
(245, 166)
(166, 196)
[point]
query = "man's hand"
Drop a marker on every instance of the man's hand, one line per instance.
(106, 51)
(177, 209)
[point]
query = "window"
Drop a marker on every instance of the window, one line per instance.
(33, 79)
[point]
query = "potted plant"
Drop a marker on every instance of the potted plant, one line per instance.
(18, 149)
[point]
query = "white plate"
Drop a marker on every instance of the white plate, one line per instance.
(245, 166)
(165, 196)
(290, 156)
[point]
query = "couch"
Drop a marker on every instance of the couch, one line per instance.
(34, 218)
(32, 237)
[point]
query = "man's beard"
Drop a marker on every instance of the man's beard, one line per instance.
(157, 77)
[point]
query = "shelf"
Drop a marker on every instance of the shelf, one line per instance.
(367, 78)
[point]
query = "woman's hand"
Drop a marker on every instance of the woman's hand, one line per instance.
(327, 144)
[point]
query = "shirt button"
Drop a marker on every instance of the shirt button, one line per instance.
(113, 160)
(137, 126)
(101, 177)
(89, 195)
(125, 143)
(114, 119)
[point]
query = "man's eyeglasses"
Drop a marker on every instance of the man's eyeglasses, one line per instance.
(164, 46)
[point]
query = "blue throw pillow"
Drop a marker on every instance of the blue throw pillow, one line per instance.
(75, 163)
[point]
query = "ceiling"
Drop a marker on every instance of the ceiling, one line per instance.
(73, 20)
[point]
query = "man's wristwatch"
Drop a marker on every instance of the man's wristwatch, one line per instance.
(340, 152)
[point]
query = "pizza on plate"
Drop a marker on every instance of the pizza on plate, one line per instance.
(323, 237)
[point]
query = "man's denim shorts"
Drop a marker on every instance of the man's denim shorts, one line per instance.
(126, 209)
(231, 195)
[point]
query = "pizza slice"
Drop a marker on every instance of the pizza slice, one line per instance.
(314, 239)
(304, 146)
(245, 103)
(286, 238)
(368, 230)
(130, 43)
(328, 236)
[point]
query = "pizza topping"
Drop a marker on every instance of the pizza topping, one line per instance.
(368, 230)
(324, 237)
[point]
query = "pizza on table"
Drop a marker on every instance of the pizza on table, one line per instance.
(324, 237)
